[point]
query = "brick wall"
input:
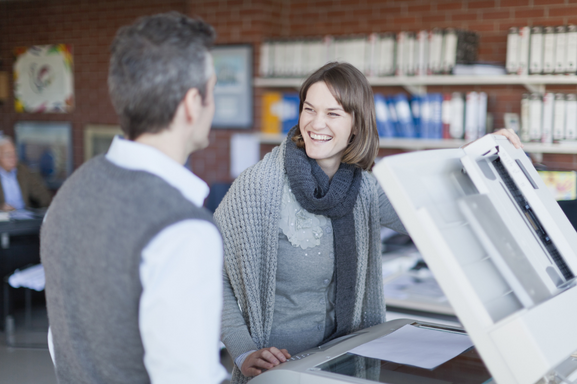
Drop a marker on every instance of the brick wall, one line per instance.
(90, 25)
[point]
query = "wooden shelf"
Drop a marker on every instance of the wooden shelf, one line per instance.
(420, 144)
(418, 84)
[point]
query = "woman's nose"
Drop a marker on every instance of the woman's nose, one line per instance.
(319, 121)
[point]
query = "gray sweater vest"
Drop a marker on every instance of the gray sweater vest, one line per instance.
(91, 244)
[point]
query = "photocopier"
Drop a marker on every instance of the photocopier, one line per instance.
(503, 252)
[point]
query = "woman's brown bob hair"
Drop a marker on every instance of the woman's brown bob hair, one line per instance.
(353, 92)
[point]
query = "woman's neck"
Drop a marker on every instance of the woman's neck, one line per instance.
(329, 166)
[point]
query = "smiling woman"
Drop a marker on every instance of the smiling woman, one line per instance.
(301, 230)
(326, 128)
(350, 93)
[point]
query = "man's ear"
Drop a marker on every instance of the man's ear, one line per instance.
(192, 103)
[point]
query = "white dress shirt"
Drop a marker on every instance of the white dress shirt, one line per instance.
(11, 188)
(181, 276)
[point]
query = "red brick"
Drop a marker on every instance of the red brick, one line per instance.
(436, 20)
(547, 2)
(514, 3)
(469, 16)
(562, 11)
(419, 8)
(528, 13)
(482, 27)
(404, 20)
(454, 5)
(481, 4)
(493, 15)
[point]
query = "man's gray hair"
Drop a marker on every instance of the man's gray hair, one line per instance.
(5, 140)
(154, 63)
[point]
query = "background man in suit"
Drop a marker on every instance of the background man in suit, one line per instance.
(20, 187)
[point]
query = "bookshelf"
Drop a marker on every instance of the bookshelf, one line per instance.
(418, 84)
(420, 144)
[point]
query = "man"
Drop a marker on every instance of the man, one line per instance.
(132, 261)
(20, 187)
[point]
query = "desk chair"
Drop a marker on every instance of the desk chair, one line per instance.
(31, 278)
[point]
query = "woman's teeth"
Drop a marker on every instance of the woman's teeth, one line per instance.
(320, 137)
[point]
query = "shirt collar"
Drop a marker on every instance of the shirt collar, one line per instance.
(5, 173)
(140, 157)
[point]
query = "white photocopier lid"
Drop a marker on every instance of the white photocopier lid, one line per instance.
(501, 249)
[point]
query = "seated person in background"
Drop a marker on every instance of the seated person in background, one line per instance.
(20, 187)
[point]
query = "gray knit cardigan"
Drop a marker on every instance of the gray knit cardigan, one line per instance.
(248, 218)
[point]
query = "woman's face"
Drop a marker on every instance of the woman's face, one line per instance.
(325, 127)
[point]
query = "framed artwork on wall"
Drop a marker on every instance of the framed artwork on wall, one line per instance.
(43, 79)
(233, 90)
(46, 148)
(97, 139)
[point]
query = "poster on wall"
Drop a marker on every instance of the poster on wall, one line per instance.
(46, 148)
(97, 139)
(43, 79)
(233, 90)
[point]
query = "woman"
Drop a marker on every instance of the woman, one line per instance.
(301, 230)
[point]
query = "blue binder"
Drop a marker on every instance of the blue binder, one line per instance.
(416, 102)
(385, 126)
(404, 116)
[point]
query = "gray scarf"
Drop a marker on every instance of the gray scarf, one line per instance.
(334, 199)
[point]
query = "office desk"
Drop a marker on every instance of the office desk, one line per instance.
(19, 247)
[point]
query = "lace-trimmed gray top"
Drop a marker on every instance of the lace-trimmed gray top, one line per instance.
(305, 289)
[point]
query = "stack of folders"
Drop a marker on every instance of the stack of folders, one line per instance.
(432, 116)
(542, 50)
(549, 117)
(378, 54)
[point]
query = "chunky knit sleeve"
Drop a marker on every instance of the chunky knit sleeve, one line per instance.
(248, 218)
(234, 331)
(389, 217)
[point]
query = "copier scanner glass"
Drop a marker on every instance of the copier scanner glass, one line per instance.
(466, 368)
(500, 247)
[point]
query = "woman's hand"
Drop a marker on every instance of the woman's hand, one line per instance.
(511, 135)
(265, 358)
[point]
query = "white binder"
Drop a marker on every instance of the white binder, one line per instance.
(535, 116)
(524, 45)
(512, 63)
(560, 49)
(548, 114)
(549, 45)
(559, 117)
(571, 58)
(536, 51)
(571, 116)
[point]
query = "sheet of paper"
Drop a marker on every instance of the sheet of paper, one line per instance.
(244, 152)
(32, 278)
(420, 347)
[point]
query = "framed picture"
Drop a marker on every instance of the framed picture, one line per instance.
(97, 139)
(233, 90)
(46, 148)
(44, 79)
